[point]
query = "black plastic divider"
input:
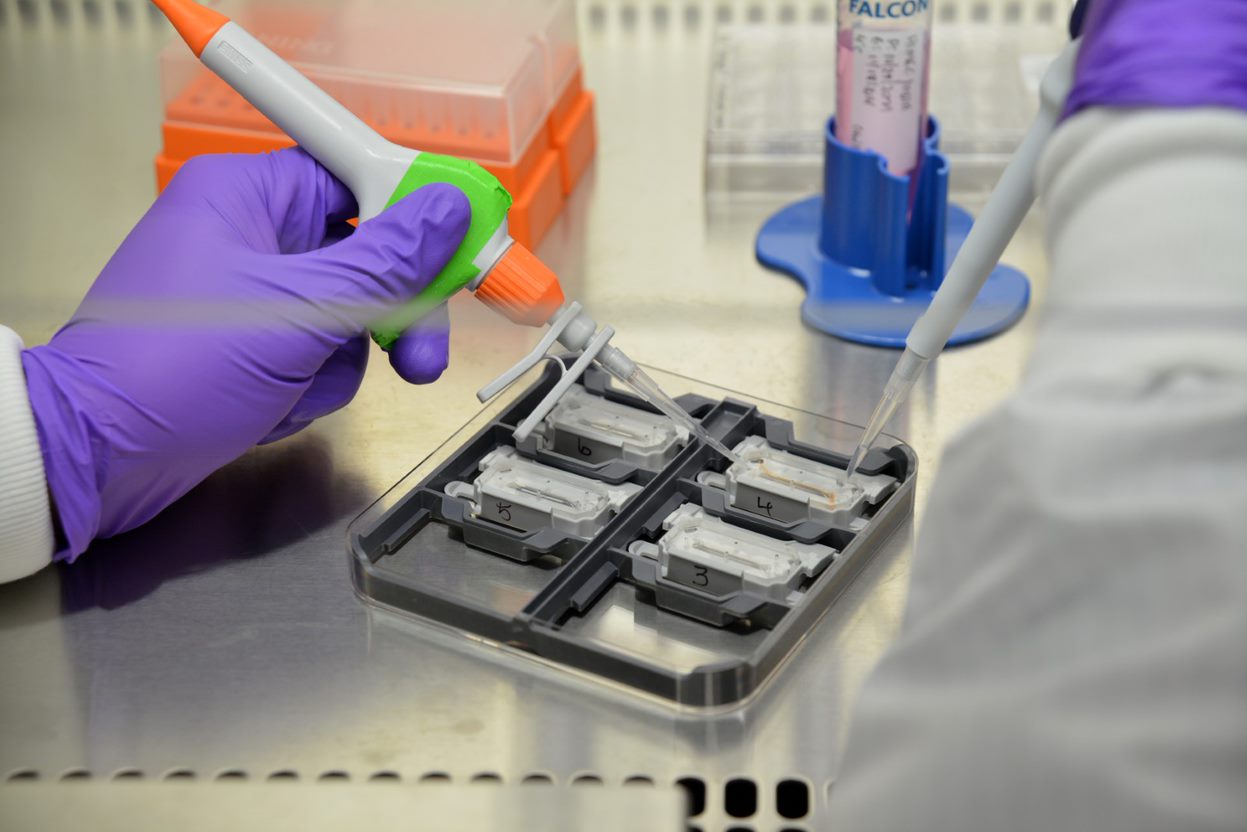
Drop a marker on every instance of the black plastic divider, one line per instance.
(399, 525)
(586, 573)
(591, 568)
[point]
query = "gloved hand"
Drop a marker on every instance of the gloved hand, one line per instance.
(1161, 53)
(221, 322)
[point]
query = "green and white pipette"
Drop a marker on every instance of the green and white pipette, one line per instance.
(501, 272)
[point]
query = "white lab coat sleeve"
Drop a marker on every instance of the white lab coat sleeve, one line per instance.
(26, 537)
(1074, 650)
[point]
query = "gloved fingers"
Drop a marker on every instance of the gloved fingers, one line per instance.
(388, 260)
(273, 203)
(1146, 54)
(302, 198)
(336, 233)
(331, 388)
(422, 353)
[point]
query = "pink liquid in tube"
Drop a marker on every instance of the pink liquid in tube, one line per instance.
(882, 64)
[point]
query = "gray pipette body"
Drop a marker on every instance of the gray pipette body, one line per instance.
(1006, 207)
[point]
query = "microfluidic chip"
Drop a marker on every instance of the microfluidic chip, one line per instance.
(787, 488)
(595, 429)
(707, 554)
(527, 495)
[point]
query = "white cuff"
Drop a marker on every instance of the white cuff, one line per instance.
(26, 538)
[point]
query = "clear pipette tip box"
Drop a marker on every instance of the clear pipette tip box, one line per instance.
(495, 81)
(645, 563)
(475, 78)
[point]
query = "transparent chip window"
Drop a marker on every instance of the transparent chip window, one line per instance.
(704, 553)
(595, 429)
(787, 488)
(527, 495)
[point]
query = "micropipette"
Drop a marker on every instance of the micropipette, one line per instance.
(1010, 200)
(501, 272)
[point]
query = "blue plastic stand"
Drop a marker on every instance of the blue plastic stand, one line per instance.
(868, 273)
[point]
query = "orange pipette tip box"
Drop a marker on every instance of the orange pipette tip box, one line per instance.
(514, 103)
(575, 141)
(476, 79)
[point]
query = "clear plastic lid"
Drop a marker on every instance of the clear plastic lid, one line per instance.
(553, 28)
(470, 77)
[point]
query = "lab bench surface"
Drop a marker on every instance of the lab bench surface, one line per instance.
(224, 636)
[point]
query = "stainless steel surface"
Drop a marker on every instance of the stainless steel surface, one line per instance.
(297, 807)
(224, 635)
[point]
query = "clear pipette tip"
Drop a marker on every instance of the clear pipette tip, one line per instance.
(649, 390)
(907, 372)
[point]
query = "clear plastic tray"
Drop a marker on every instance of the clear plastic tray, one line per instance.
(592, 605)
(772, 89)
(472, 77)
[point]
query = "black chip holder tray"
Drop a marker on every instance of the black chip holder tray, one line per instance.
(589, 568)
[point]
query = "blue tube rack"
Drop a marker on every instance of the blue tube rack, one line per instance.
(869, 265)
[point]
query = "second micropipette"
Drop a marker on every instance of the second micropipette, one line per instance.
(501, 272)
(991, 232)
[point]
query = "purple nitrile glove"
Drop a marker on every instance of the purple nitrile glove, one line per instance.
(221, 322)
(1162, 53)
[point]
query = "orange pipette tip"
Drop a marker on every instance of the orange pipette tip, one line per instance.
(195, 23)
(522, 287)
